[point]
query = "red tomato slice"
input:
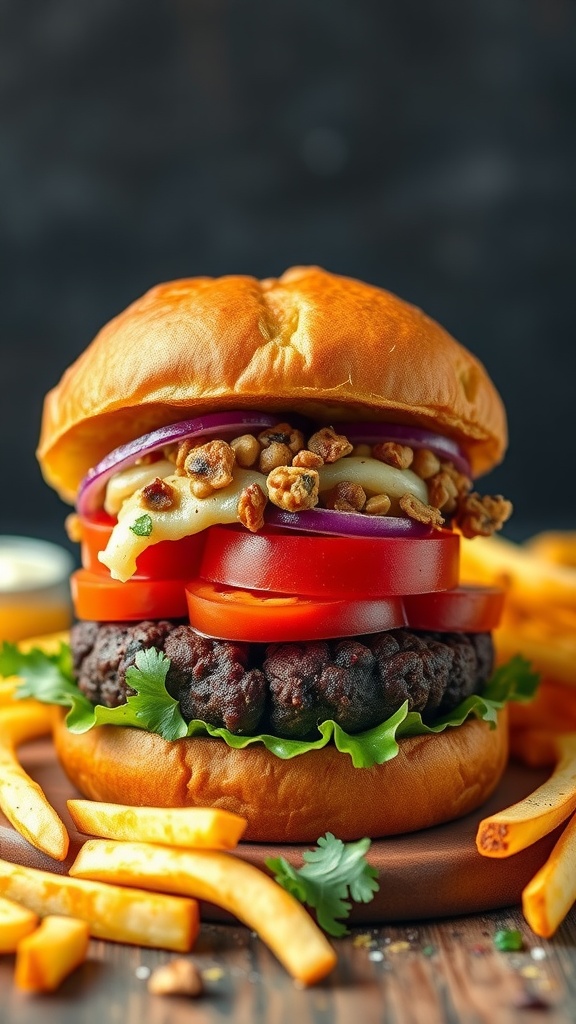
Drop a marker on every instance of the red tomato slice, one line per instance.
(461, 610)
(231, 614)
(169, 559)
(321, 566)
(97, 597)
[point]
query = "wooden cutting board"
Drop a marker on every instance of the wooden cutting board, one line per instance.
(429, 874)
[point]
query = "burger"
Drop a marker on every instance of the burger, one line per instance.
(271, 479)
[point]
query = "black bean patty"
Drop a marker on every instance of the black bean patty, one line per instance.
(289, 688)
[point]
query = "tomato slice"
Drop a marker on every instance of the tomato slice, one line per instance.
(232, 614)
(169, 559)
(328, 566)
(97, 597)
(461, 610)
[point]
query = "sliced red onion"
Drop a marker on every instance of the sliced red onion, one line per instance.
(351, 524)
(231, 423)
(414, 437)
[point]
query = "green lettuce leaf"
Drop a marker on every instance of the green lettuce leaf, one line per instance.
(49, 678)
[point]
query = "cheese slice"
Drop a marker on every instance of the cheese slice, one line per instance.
(187, 516)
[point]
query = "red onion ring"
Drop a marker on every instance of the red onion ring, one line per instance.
(374, 433)
(345, 524)
(90, 490)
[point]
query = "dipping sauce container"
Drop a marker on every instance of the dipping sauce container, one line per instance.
(34, 587)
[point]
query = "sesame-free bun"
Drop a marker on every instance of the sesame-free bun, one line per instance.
(433, 778)
(312, 342)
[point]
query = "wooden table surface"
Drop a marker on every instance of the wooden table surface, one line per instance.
(430, 972)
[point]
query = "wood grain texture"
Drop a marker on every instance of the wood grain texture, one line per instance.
(423, 973)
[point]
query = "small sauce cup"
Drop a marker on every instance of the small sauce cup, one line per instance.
(34, 587)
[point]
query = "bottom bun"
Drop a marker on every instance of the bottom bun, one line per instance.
(434, 778)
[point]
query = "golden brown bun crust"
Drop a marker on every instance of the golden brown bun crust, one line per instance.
(433, 779)
(327, 346)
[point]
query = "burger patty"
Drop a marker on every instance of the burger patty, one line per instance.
(287, 689)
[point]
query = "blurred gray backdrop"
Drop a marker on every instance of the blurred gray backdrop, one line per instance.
(426, 147)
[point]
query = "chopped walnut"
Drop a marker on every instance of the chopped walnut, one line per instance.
(481, 516)
(158, 496)
(425, 463)
(416, 509)
(179, 977)
(247, 450)
(307, 459)
(462, 482)
(292, 488)
(398, 455)
(329, 445)
(183, 451)
(209, 467)
(442, 491)
(345, 497)
(282, 433)
(378, 505)
(251, 505)
(276, 454)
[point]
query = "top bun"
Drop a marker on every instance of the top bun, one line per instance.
(312, 342)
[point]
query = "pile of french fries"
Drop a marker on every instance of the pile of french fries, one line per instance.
(539, 623)
(138, 882)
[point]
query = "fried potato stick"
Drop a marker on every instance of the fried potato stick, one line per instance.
(206, 827)
(123, 915)
(549, 896)
(556, 546)
(21, 799)
(530, 580)
(525, 822)
(16, 922)
(227, 881)
(49, 954)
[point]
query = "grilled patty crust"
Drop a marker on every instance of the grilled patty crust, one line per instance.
(287, 689)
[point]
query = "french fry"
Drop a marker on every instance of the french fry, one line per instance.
(48, 642)
(220, 878)
(21, 799)
(51, 953)
(8, 687)
(553, 709)
(553, 655)
(548, 897)
(122, 915)
(556, 546)
(205, 827)
(16, 922)
(532, 581)
(535, 748)
(525, 822)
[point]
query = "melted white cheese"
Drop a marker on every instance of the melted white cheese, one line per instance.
(134, 478)
(374, 476)
(188, 515)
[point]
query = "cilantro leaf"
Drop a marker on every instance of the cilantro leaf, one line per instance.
(333, 873)
(151, 707)
(142, 526)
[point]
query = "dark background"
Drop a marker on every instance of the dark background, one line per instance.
(428, 147)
